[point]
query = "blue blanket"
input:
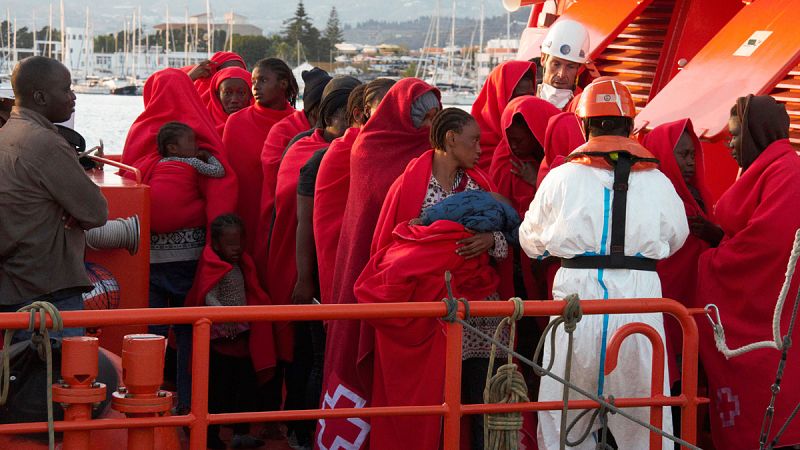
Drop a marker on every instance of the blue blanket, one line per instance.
(478, 211)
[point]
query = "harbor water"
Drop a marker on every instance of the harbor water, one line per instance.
(108, 117)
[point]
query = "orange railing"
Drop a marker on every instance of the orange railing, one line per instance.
(451, 410)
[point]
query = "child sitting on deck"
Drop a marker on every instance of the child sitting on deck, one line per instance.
(227, 277)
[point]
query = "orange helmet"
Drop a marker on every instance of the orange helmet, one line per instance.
(606, 96)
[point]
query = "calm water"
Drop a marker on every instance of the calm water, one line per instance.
(108, 117)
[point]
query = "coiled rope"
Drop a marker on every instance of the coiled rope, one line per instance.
(41, 340)
(501, 430)
(452, 316)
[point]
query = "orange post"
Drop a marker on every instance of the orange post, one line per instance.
(142, 375)
(201, 339)
(77, 391)
(452, 387)
(656, 376)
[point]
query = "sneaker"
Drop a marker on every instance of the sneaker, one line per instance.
(246, 441)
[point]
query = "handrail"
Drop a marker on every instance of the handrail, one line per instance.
(452, 410)
(136, 172)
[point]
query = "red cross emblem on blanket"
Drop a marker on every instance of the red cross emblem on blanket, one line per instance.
(342, 434)
(728, 406)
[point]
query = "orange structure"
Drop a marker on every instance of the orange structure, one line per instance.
(451, 410)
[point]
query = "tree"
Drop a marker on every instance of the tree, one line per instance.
(333, 30)
(253, 48)
(299, 30)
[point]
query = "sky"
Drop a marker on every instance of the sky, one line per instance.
(268, 14)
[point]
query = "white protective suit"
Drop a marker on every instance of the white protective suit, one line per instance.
(571, 216)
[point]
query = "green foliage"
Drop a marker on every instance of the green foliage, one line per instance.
(253, 48)
(333, 30)
(302, 37)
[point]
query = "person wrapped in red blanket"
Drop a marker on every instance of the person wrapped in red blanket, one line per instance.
(745, 273)
(230, 92)
(202, 72)
(186, 204)
(680, 157)
(275, 145)
(275, 92)
(241, 352)
(507, 81)
(395, 133)
(448, 169)
(562, 136)
(333, 184)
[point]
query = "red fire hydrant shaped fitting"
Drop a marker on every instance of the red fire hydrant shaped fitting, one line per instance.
(142, 375)
(77, 391)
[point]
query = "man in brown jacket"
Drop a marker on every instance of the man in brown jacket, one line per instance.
(46, 199)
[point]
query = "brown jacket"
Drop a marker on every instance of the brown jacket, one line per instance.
(41, 183)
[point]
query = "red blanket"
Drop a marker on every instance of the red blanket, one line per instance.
(169, 95)
(209, 272)
(244, 137)
(282, 260)
(272, 152)
(381, 151)
(203, 85)
(563, 135)
(743, 277)
(492, 100)
(176, 201)
(409, 355)
(405, 197)
(536, 113)
(330, 199)
(214, 105)
(678, 273)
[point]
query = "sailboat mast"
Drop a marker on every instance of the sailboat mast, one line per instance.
(64, 51)
(33, 26)
(483, 13)
(15, 41)
(230, 33)
(452, 52)
(50, 32)
(210, 32)
(166, 40)
(186, 39)
(86, 41)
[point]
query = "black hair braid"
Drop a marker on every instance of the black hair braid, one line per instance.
(377, 88)
(355, 101)
(282, 70)
(169, 133)
(224, 221)
(446, 120)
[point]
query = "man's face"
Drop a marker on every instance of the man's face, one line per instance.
(559, 73)
(56, 97)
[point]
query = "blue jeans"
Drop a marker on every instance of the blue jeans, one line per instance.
(169, 284)
(65, 301)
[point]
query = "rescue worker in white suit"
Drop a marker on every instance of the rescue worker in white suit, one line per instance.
(565, 51)
(608, 250)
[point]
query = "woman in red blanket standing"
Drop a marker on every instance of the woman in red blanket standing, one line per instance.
(447, 169)
(744, 274)
(230, 93)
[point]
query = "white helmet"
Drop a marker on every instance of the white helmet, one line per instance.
(568, 40)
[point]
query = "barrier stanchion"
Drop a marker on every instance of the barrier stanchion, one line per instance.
(452, 387)
(201, 338)
(77, 391)
(142, 376)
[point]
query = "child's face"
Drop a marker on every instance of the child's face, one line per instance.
(185, 147)
(229, 244)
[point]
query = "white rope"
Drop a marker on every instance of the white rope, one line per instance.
(777, 342)
(117, 233)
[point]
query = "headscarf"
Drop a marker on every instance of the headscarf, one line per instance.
(214, 104)
(315, 81)
(563, 135)
(203, 85)
(661, 142)
(763, 121)
(492, 100)
(334, 97)
(422, 105)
